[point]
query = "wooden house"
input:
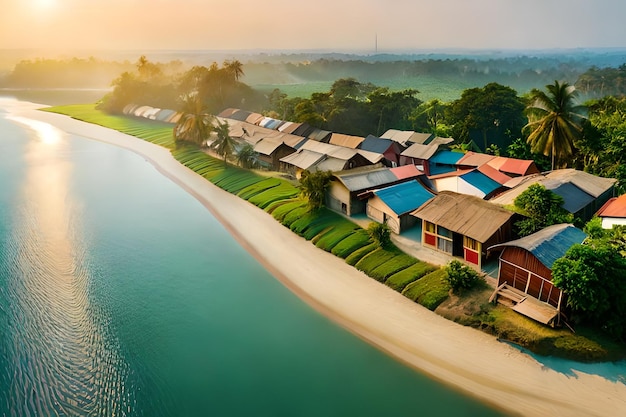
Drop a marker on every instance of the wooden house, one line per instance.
(463, 225)
(389, 149)
(526, 271)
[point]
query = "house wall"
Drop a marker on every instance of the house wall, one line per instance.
(446, 184)
(380, 212)
(467, 188)
(338, 198)
(522, 270)
(609, 222)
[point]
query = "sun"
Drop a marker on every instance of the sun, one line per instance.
(45, 4)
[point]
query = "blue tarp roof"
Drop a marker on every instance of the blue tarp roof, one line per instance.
(446, 157)
(405, 197)
(375, 144)
(549, 244)
(481, 181)
(436, 169)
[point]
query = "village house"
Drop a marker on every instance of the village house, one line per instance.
(464, 226)
(389, 149)
(613, 212)
(347, 191)
(393, 205)
(525, 273)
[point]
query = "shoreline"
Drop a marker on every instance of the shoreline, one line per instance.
(463, 358)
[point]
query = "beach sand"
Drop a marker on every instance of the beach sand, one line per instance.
(463, 358)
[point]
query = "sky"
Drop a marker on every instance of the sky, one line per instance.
(329, 25)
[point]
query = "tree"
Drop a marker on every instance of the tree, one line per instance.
(554, 122)
(247, 157)
(224, 144)
(489, 115)
(195, 124)
(542, 208)
(313, 186)
(592, 276)
(234, 68)
(461, 277)
(380, 233)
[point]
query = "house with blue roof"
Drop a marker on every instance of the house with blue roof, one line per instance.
(526, 271)
(393, 205)
(469, 182)
(442, 162)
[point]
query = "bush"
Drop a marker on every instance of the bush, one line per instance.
(461, 277)
(380, 233)
(373, 260)
(430, 291)
(400, 280)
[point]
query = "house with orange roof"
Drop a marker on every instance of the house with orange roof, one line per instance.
(613, 212)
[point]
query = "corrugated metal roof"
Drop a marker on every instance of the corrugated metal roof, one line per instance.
(373, 157)
(574, 199)
(375, 144)
(267, 146)
(366, 180)
(494, 174)
(481, 181)
(254, 118)
(320, 135)
(328, 149)
(329, 164)
(464, 214)
(227, 112)
(474, 159)
(439, 141)
(548, 244)
(303, 158)
(419, 151)
(240, 115)
(289, 128)
(346, 141)
(591, 184)
(436, 169)
(513, 165)
(303, 130)
(405, 197)
(406, 137)
(446, 157)
(406, 171)
(615, 207)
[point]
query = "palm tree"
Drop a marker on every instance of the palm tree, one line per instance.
(234, 68)
(195, 124)
(554, 122)
(224, 144)
(247, 157)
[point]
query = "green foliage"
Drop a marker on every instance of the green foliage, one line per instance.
(373, 259)
(195, 124)
(592, 276)
(313, 186)
(335, 234)
(380, 233)
(554, 122)
(398, 263)
(257, 187)
(489, 115)
(224, 144)
(351, 243)
(356, 256)
(284, 207)
(247, 157)
(429, 291)
(401, 279)
(283, 191)
(542, 208)
(461, 277)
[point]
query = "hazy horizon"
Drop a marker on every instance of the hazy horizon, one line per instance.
(365, 26)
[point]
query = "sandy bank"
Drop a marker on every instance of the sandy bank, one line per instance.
(461, 357)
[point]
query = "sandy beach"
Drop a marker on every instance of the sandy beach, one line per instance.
(463, 358)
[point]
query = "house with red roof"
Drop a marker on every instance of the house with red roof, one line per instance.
(613, 212)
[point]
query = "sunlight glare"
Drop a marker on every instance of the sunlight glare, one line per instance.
(46, 133)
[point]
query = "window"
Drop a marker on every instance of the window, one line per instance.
(430, 227)
(470, 243)
(442, 231)
(444, 244)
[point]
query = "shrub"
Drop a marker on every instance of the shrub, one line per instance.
(430, 291)
(336, 234)
(461, 277)
(373, 260)
(400, 280)
(380, 233)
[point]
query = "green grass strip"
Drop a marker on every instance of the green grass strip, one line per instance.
(356, 256)
(401, 279)
(430, 291)
(398, 263)
(351, 243)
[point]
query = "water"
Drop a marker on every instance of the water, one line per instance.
(121, 295)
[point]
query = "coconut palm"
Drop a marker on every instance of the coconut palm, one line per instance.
(195, 124)
(234, 69)
(224, 144)
(247, 157)
(554, 122)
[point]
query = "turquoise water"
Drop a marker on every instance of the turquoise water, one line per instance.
(121, 295)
